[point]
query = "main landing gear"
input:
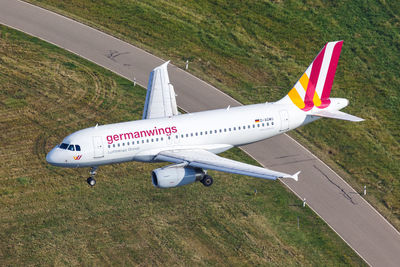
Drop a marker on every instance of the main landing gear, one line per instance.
(207, 180)
(91, 181)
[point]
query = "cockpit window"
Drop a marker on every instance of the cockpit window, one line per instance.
(63, 146)
(70, 147)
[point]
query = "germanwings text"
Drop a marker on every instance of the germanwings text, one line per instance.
(138, 134)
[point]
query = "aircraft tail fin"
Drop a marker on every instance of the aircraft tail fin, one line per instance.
(314, 86)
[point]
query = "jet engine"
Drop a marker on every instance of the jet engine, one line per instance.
(174, 176)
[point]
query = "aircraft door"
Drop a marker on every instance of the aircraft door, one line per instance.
(98, 147)
(284, 120)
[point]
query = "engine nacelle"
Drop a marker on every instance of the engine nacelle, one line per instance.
(174, 176)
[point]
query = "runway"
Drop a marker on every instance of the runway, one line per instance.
(339, 205)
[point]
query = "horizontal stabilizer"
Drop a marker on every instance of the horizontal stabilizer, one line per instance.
(336, 115)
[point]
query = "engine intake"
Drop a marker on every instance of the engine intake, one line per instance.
(174, 176)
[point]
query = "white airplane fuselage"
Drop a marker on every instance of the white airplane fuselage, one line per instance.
(191, 141)
(215, 131)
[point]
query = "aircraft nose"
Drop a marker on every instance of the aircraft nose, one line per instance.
(54, 157)
(50, 157)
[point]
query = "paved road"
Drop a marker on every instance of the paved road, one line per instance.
(364, 229)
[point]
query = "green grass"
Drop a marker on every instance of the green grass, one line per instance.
(50, 216)
(256, 50)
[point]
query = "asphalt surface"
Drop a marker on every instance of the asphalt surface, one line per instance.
(338, 204)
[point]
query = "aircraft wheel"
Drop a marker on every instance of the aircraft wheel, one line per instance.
(91, 181)
(207, 180)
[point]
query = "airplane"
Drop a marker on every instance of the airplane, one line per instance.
(192, 141)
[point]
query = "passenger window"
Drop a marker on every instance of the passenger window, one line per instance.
(196, 134)
(239, 127)
(225, 130)
(63, 146)
(123, 144)
(147, 140)
(248, 126)
(152, 140)
(258, 125)
(272, 123)
(78, 147)
(113, 145)
(215, 131)
(263, 124)
(157, 139)
(229, 129)
(234, 128)
(267, 123)
(109, 146)
(119, 144)
(205, 132)
(187, 135)
(182, 136)
(254, 126)
(201, 133)
(162, 138)
(176, 136)
(191, 134)
(142, 141)
(71, 148)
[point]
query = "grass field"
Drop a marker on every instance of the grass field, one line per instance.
(50, 216)
(256, 50)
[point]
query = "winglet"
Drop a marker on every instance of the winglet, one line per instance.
(166, 63)
(160, 98)
(296, 176)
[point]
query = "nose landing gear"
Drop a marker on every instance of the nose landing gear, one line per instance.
(91, 181)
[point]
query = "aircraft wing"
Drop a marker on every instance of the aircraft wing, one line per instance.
(206, 160)
(160, 97)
